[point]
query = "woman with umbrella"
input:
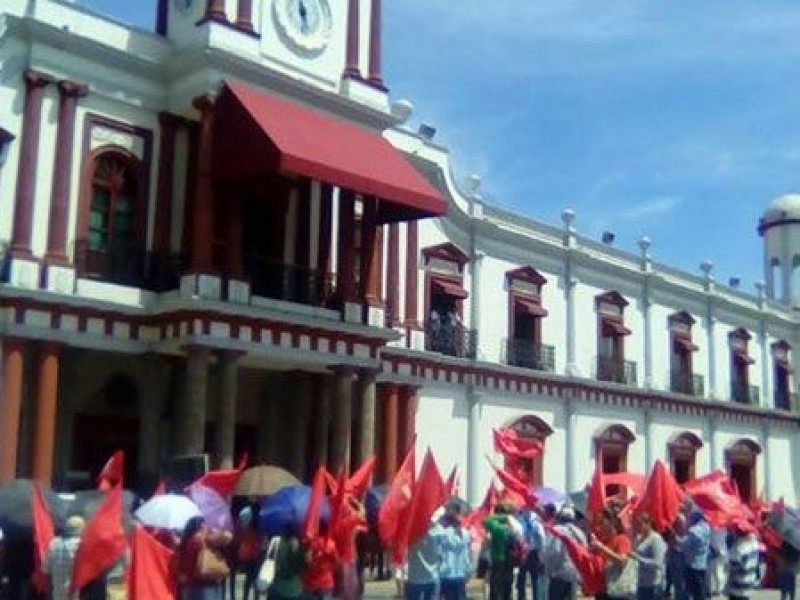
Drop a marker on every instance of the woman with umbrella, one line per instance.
(200, 568)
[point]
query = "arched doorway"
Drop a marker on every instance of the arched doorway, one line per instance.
(741, 458)
(530, 427)
(682, 452)
(611, 452)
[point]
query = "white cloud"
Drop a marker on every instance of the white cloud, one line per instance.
(652, 207)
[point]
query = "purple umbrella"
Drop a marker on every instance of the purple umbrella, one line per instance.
(548, 495)
(213, 507)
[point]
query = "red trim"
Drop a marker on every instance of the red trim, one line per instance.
(613, 297)
(412, 277)
(446, 252)
(685, 344)
(393, 276)
(529, 306)
(527, 274)
(203, 231)
(742, 357)
(353, 34)
(448, 288)
(611, 327)
(374, 73)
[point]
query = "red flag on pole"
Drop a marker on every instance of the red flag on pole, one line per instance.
(311, 523)
(113, 472)
(508, 443)
(151, 576)
(429, 494)
(452, 482)
(596, 499)
(102, 544)
(359, 481)
(591, 566)
(662, 498)
(43, 534)
(518, 489)
(397, 500)
(223, 481)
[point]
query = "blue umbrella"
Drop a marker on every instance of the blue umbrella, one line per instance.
(287, 508)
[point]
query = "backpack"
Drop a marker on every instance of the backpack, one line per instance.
(266, 573)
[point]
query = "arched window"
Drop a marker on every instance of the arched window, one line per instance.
(682, 452)
(530, 427)
(741, 458)
(611, 333)
(525, 315)
(740, 368)
(682, 378)
(611, 451)
(113, 248)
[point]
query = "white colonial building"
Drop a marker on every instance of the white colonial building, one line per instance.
(219, 236)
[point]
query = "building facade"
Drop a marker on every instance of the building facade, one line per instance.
(220, 237)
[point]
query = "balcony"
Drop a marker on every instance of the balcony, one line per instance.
(127, 264)
(452, 339)
(529, 354)
(609, 368)
(289, 282)
(690, 384)
(745, 394)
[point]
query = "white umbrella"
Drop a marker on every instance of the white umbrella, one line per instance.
(167, 511)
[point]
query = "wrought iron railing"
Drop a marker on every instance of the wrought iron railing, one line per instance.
(610, 368)
(691, 384)
(289, 282)
(745, 394)
(452, 339)
(128, 264)
(529, 354)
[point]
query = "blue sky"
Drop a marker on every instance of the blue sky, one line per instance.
(677, 120)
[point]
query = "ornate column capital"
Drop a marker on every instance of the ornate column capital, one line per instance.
(37, 79)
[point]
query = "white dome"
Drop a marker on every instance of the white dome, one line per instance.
(782, 208)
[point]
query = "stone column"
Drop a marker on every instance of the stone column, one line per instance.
(375, 30)
(570, 445)
(353, 33)
(46, 406)
(201, 256)
(244, 16)
(370, 257)
(713, 461)
(160, 372)
(35, 83)
(297, 422)
(393, 276)
(322, 420)
(226, 421)
(191, 414)
(473, 437)
(69, 93)
(391, 402)
(367, 392)
(10, 406)
(712, 391)
(342, 418)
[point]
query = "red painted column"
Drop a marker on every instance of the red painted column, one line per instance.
(163, 226)
(325, 235)
(408, 409)
(215, 10)
(69, 93)
(412, 276)
(375, 28)
(370, 284)
(244, 15)
(391, 402)
(10, 406)
(393, 276)
(234, 236)
(46, 409)
(353, 34)
(35, 83)
(345, 280)
(201, 260)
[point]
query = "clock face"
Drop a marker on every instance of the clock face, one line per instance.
(304, 24)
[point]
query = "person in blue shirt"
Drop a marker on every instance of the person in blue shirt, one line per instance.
(531, 565)
(424, 564)
(456, 555)
(695, 548)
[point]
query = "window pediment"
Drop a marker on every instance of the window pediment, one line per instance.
(446, 252)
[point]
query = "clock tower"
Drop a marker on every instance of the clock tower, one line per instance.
(330, 44)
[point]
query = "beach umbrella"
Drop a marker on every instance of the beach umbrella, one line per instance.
(212, 505)
(264, 480)
(167, 511)
(288, 507)
(16, 507)
(548, 495)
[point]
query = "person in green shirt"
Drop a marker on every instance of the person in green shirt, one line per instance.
(501, 570)
(290, 562)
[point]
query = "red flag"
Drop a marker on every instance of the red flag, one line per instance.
(708, 481)
(591, 566)
(223, 481)
(596, 499)
(397, 500)
(113, 471)
(337, 503)
(517, 488)
(359, 481)
(662, 498)
(474, 521)
(452, 482)
(632, 481)
(718, 499)
(430, 493)
(102, 544)
(43, 534)
(508, 443)
(330, 481)
(311, 523)
(151, 576)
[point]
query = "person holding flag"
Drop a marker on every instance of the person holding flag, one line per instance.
(424, 565)
(501, 571)
(695, 546)
(561, 571)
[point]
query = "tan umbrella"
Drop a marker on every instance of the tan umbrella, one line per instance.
(264, 480)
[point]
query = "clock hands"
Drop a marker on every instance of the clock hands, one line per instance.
(303, 12)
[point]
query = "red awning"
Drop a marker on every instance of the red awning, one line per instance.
(529, 307)
(449, 288)
(685, 344)
(613, 327)
(743, 357)
(256, 133)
